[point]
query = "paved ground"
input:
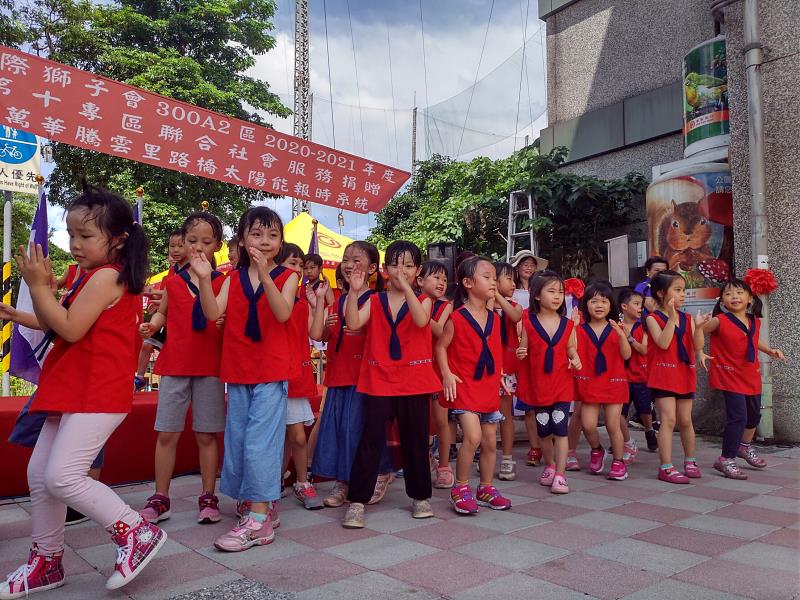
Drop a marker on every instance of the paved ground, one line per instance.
(636, 539)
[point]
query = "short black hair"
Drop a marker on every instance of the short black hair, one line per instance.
(314, 259)
(432, 267)
(205, 217)
(661, 283)
(289, 250)
(625, 295)
(176, 233)
(537, 283)
(602, 289)
(257, 215)
(398, 248)
(648, 264)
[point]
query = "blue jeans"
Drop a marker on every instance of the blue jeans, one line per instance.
(255, 428)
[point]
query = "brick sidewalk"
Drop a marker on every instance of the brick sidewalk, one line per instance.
(638, 539)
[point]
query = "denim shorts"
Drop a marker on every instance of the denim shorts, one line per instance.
(485, 417)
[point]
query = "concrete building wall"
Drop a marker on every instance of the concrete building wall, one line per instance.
(780, 34)
(602, 52)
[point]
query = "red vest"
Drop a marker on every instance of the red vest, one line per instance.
(247, 361)
(303, 385)
(410, 372)
(466, 353)
(543, 388)
(72, 275)
(95, 373)
(610, 386)
(665, 371)
(730, 370)
(510, 340)
(345, 348)
(636, 365)
(188, 352)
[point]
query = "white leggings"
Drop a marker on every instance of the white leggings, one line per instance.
(58, 476)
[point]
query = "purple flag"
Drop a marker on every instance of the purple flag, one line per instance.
(23, 340)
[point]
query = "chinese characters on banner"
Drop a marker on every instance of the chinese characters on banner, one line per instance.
(19, 160)
(68, 105)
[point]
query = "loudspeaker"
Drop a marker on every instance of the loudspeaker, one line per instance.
(445, 253)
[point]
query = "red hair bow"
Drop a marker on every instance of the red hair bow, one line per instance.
(574, 286)
(761, 281)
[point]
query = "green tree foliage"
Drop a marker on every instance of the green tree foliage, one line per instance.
(467, 203)
(190, 50)
(12, 30)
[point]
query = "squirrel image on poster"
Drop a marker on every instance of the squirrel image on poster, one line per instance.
(684, 233)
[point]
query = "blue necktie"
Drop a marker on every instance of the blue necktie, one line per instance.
(600, 365)
(680, 329)
(549, 354)
(485, 359)
(198, 316)
(395, 352)
(751, 334)
(340, 314)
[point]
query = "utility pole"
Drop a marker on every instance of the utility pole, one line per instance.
(302, 82)
(414, 136)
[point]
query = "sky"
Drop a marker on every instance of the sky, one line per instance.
(380, 129)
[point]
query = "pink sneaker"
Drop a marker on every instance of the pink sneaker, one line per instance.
(672, 475)
(444, 478)
(630, 451)
(208, 509)
(559, 485)
(618, 471)
(336, 497)
(273, 514)
(463, 501)
(573, 464)
(247, 533)
(547, 476)
(692, 470)
(751, 456)
(729, 468)
(157, 508)
(489, 496)
(136, 547)
(597, 460)
(39, 574)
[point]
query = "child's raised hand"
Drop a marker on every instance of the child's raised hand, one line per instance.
(332, 319)
(358, 280)
(311, 297)
(521, 353)
(619, 329)
(777, 354)
(449, 382)
(672, 312)
(259, 260)
(703, 359)
(575, 363)
(33, 266)
(199, 264)
(702, 318)
(576, 316)
(321, 289)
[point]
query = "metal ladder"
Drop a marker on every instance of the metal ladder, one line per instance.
(520, 208)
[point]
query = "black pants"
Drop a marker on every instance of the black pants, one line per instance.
(412, 413)
(741, 412)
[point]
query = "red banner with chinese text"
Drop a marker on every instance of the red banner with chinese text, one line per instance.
(68, 105)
